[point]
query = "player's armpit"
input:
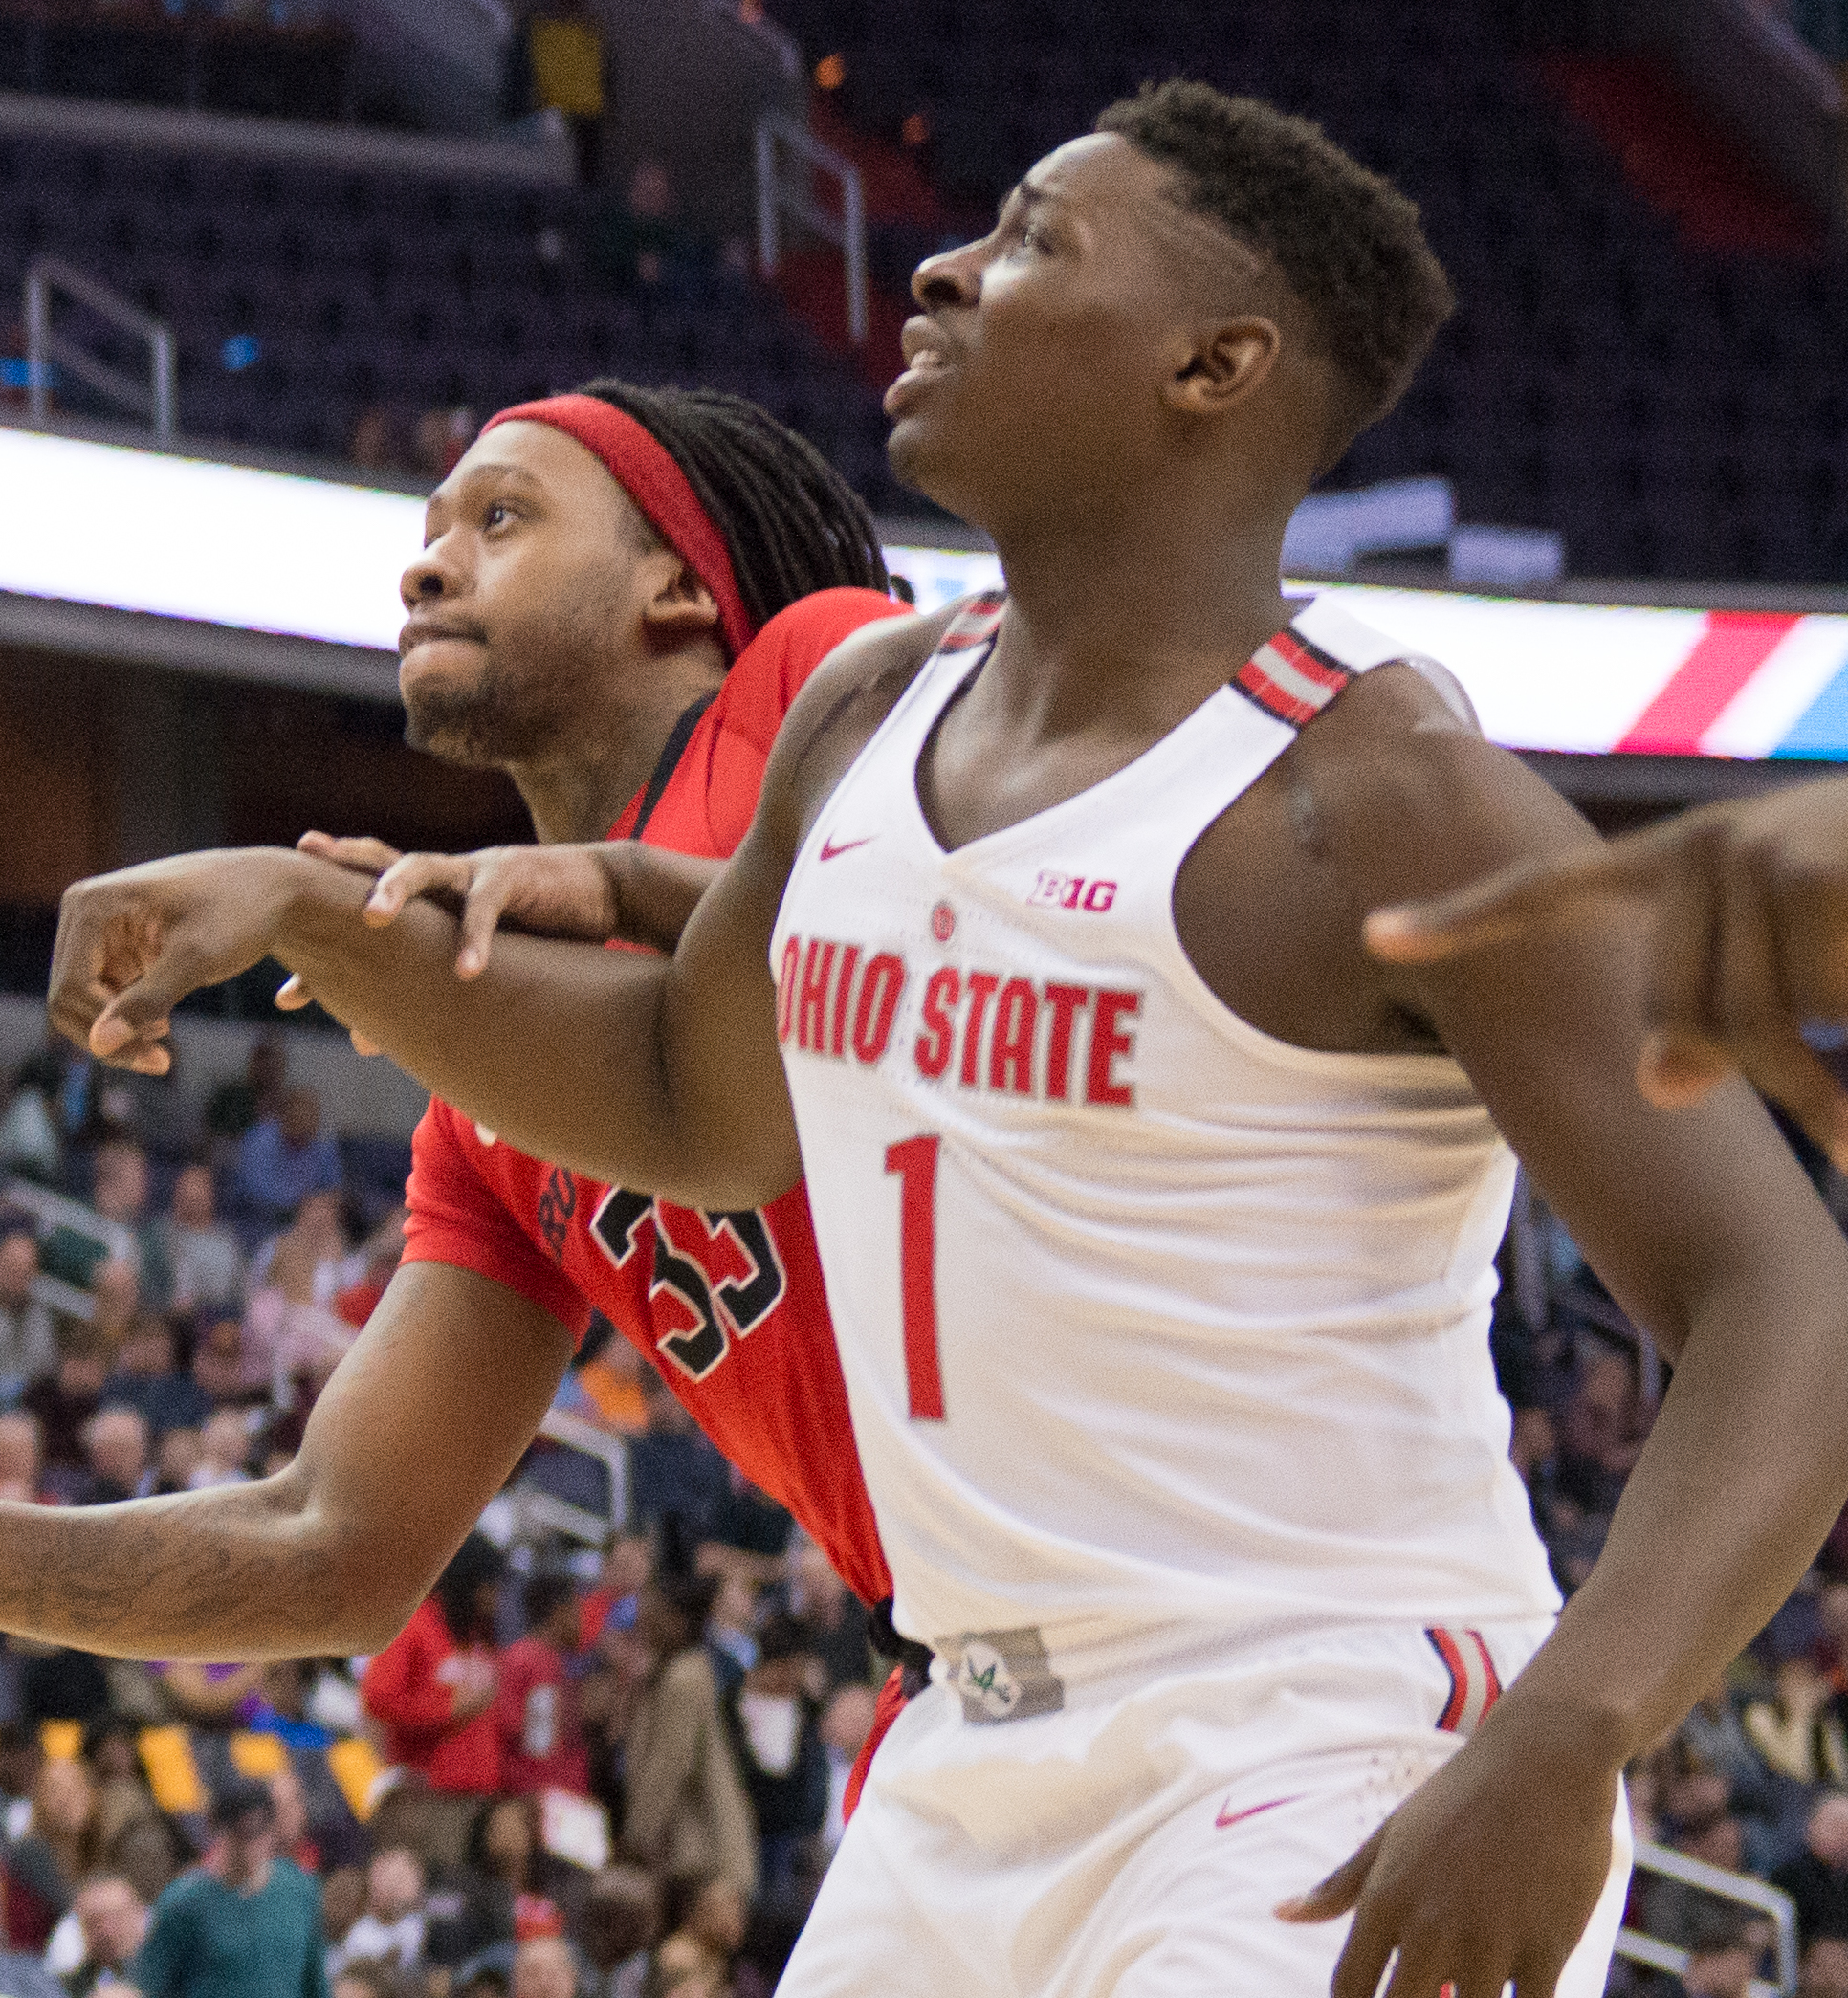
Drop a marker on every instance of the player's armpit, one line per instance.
(422, 1421)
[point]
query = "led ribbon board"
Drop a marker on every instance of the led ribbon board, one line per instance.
(265, 551)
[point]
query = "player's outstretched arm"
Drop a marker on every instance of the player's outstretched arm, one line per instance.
(609, 891)
(1710, 1237)
(421, 1424)
(1747, 907)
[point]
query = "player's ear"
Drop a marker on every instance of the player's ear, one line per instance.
(1224, 362)
(680, 607)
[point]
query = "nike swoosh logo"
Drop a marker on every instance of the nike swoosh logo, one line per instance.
(830, 851)
(1237, 1817)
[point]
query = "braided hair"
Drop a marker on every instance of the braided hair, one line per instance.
(792, 524)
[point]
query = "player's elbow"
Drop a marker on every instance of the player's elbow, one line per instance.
(361, 1582)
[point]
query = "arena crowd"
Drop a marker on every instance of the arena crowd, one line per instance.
(579, 1772)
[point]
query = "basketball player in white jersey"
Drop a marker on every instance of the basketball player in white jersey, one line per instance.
(1158, 1217)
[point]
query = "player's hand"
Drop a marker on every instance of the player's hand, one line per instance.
(561, 891)
(1486, 1876)
(366, 857)
(131, 945)
(1750, 947)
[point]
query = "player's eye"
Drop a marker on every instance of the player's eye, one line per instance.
(497, 514)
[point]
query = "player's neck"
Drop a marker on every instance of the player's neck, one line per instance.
(1090, 597)
(577, 795)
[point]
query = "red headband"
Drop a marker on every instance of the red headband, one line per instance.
(647, 473)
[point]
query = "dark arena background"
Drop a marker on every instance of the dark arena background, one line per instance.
(265, 267)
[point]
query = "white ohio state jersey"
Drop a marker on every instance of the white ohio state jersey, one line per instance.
(1156, 1328)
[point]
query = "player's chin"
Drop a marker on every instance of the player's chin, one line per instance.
(925, 455)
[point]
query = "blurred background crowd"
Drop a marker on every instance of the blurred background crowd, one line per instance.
(612, 1768)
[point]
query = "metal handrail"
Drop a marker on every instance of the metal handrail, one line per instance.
(1658, 1955)
(44, 276)
(60, 1211)
(778, 195)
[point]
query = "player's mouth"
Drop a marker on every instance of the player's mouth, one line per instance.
(927, 355)
(423, 632)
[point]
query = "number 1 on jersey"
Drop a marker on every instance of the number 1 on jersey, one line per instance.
(914, 1161)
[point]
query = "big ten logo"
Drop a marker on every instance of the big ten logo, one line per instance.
(1071, 892)
(713, 1276)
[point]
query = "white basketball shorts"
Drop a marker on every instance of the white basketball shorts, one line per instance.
(1134, 1846)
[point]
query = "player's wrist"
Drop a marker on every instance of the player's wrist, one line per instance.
(307, 903)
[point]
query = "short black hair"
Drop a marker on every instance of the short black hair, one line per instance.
(791, 523)
(1345, 240)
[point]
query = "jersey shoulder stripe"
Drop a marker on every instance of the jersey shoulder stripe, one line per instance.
(1291, 679)
(974, 624)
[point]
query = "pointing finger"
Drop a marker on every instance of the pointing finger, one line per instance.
(1340, 1891)
(1512, 901)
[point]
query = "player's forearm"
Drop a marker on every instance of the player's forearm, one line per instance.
(554, 1047)
(241, 1572)
(1742, 1478)
(655, 891)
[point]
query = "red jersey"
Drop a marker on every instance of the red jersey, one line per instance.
(410, 1687)
(536, 1708)
(730, 1307)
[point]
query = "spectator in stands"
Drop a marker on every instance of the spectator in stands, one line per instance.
(370, 1978)
(618, 1924)
(751, 1532)
(1722, 1961)
(776, 1729)
(233, 1108)
(148, 1853)
(208, 1264)
(121, 1194)
(176, 1460)
(1824, 1971)
(211, 1696)
(115, 1299)
(145, 1379)
(686, 1809)
(1816, 1880)
(290, 1327)
(438, 439)
(283, 1158)
(392, 1925)
(116, 1456)
(379, 441)
(835, 1617)
(29, 1145)
(507, 1889)
(218, 1362)
(565, 51)
(845, 1724)
(246, 1923)
(536, 1706)
(22, 1457)
(27, 1344)
(544, 1968)
(112, 1754)
(224, 1450)
(708, 1918)
(63, 1401)
(1798, 1729)
(60, 1847)
(112, 1921)
(618, 1593)
(432, 1687)
(675, 1471)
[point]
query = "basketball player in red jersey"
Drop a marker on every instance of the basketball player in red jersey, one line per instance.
(1177, 323)
(621, 593)
(1748, 906)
